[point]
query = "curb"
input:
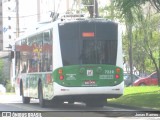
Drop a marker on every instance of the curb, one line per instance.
(131, 107)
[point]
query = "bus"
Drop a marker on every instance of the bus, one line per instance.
(70, 61)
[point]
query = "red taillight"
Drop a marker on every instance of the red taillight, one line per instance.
(117, 76)
(60, 71)
(118, 70)
(61, 77)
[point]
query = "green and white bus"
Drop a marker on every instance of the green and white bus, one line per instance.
(70, 61)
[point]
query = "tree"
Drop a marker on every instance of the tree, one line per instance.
(129, 4)
(1, 71)
(110, 12)
(129, 12)
(149, 25)
(144, 21)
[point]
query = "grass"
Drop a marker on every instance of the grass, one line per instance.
(142, 96)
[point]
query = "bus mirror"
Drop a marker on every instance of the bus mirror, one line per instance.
(12, 54)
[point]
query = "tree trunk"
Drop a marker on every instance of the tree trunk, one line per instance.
(147, 48)
(129, 28)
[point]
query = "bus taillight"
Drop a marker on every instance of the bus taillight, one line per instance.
(117, 76)
(61, 77)
(60, 71)
(118, 70)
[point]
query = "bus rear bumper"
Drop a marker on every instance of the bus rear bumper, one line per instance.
(107, 91)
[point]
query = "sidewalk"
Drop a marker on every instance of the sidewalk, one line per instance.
(11, 98)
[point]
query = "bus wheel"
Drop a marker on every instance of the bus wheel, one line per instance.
(25, 100)
(40, 95)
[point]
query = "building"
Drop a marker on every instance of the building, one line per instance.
(9, 19)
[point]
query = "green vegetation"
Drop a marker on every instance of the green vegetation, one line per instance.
(1, 71)
(142, 96)
(9, 87)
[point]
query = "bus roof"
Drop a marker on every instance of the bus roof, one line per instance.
(48, 25)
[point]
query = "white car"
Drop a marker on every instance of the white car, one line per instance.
(2, 89)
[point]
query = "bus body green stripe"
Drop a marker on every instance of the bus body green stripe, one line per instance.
(88, 75)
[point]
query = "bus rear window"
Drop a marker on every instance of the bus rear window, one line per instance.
(99, 52)
(87, 43)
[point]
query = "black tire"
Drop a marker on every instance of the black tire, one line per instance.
(25, 100)
(40, 95)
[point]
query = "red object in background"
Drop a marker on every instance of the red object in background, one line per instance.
(150, 80)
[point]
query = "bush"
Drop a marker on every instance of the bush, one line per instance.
(9, 87)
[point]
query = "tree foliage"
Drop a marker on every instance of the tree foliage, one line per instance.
(144, 21)
(1, 71)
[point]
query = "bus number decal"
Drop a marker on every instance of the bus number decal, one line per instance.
(109, 71)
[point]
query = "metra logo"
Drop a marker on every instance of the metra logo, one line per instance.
(89, 72)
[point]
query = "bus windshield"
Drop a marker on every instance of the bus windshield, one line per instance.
(85, 50)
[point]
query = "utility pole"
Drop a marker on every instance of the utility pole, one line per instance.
(17, 18)
(67, 5)
(38, 10)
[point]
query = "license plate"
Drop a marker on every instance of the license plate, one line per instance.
(89, 82)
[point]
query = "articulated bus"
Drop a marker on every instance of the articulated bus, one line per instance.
(70, 61)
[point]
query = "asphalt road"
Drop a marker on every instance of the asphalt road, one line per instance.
(12, 105)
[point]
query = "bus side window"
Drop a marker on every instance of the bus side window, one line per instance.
(47, 51)
(24, 69)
